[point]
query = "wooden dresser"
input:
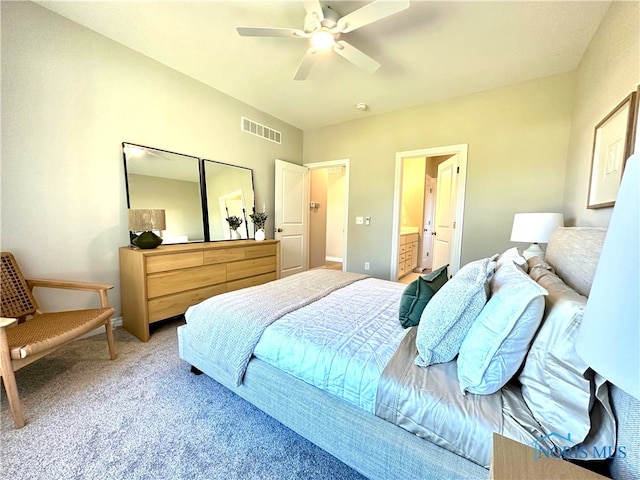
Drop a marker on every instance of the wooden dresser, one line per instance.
(163, 282)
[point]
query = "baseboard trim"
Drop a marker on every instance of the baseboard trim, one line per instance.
(333, 259)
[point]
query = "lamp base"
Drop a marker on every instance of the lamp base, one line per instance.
(534, 250)
(147, 240)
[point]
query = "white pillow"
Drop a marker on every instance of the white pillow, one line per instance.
(447, 317)
(499, 339)
(512, 255)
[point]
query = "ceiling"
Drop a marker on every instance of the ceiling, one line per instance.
(430, 52)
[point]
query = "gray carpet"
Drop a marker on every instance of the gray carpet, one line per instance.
(145, 416)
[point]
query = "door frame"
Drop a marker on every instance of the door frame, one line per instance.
(345, 162)
(462, 150)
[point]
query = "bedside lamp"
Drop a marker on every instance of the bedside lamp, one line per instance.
(608, 339)
(535, 228)
(146, 220)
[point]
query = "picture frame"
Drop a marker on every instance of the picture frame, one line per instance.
(612, 145)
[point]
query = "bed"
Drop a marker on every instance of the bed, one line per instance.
(358, 390)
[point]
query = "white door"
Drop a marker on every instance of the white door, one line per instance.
(445, 211)
(430, 186)
(291, 216)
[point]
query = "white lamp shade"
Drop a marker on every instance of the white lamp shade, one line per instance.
(535, 227)
(609, 337)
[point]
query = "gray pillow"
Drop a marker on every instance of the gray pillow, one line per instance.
(557, 385)
(447, 317)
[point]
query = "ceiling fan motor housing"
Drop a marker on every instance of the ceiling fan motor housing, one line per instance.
(330, 20)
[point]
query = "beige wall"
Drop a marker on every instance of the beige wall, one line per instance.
(609, 71)
(335, 212)
(318, 217)
(412, 203)
(518, 138)
(69, 98)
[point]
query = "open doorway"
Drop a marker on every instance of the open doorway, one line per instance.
(427, 225)
(328, 219)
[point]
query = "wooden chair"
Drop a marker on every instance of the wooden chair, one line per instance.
(26, 334)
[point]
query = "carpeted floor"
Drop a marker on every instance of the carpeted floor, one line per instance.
(145, 416)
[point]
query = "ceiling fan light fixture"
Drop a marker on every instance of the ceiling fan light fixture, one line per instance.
(322, 40)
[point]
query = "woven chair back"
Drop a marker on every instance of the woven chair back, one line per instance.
(17, 299)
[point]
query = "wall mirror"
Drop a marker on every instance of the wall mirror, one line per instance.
(229, 192)
(195, 193)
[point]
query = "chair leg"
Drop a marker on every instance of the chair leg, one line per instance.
(110, 341)
(9, 381)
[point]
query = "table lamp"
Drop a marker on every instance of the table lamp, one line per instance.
(145, 221)
(535, 228)
(608, 339)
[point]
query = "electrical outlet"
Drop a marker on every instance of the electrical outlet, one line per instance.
(366, 265)
(359, 220)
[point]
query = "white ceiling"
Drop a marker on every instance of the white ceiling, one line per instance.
(429, 52)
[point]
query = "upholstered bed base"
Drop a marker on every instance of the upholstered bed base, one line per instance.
(370, 445)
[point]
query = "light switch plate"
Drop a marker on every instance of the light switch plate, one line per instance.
(359, 220)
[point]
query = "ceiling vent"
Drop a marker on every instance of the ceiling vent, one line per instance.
(255, 128)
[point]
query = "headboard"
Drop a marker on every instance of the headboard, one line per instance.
(573, 252)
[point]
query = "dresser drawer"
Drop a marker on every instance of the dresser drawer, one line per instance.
(261, 251)
(175, 281)
(250, 281)
(248, 268)
(223, 255)
(176, 261)
(176, 304)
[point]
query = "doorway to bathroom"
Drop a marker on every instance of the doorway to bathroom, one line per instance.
(428, 210)
(328, 219)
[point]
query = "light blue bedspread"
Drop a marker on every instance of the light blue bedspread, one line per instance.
(340, 343)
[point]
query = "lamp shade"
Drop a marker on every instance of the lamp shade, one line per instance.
(145, 220)
(535, 227)
(609, 336)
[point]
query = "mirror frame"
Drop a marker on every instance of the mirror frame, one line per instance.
(202, 189)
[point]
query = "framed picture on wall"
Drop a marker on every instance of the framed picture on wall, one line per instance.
(612, 145)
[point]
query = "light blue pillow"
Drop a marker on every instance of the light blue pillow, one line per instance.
(499, 339)
(447, 317)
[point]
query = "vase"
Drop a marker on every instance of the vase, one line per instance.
(235, 235)
(260, 235)
(147, 240)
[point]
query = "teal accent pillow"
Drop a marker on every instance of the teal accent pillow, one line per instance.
(417, 294)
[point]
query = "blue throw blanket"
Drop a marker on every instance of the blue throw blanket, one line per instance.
(227, 327)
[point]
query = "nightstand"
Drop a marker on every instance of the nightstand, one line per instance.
(512, 460)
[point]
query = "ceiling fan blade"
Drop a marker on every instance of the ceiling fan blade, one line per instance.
(370, 13)
(271, 32)
(307, 62)
(313, 7)
(355, 56)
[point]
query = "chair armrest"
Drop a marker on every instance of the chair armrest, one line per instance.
(68, 284)
(7, 322)
(101, 288)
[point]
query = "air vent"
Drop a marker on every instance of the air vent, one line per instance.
(255, 128)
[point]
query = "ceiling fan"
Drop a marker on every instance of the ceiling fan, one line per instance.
(323, 26)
